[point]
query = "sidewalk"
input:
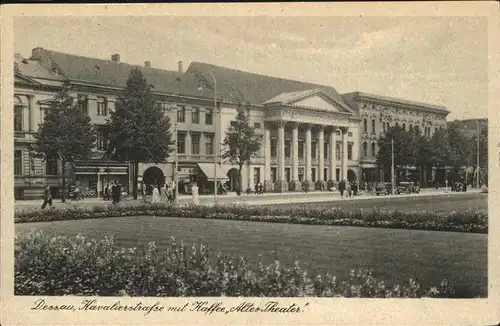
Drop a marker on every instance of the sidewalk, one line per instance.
(244, 199)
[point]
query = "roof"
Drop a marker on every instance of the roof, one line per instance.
(394, 100)
(255, 88)
(33, 69)
(115, 74)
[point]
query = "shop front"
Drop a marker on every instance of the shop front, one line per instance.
(93, 176)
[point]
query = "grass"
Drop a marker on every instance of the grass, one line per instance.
(439, 204)
(393, 255)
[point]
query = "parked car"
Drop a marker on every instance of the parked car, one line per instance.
(407, 187)
(383, 188)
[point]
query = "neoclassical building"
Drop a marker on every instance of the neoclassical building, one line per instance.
(310, 133)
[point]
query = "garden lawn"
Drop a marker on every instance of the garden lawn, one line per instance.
(393, 255)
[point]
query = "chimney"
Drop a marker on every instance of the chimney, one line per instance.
(116, 58)
(180, 68)
(147, 63)
(36, 53)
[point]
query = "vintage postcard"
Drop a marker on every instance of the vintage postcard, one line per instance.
(277, 163)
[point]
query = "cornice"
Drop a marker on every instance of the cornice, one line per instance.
(400, 105)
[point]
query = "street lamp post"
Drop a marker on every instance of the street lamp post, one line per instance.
(216, 140)
(176, 172)
(477, 155)
(392, 165)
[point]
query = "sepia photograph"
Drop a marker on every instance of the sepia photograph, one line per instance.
(249, 156)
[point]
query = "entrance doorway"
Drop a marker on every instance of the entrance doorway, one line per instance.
(153, 176)
(351, 175)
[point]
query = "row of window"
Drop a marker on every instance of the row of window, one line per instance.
(365, 149)
(274, 174)
(314, 149)
(51, 166)
(195, 115)
(195, 143)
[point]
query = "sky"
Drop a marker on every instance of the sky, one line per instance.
(435, 60)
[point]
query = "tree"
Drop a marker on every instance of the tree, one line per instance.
(441, 150)
(240, 143)
(66, 134)
(459, 147)
(139, 131)
(424, 152)
(405, 151)
(483, 151)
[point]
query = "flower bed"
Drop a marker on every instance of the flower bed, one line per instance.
(463, 221)
(46, 265)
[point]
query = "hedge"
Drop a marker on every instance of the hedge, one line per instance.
(464, 221)
(46, 265)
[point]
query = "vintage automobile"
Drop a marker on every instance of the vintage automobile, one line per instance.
(407, 187)
(383, 188)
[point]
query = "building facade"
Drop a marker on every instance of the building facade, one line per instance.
(310, 134)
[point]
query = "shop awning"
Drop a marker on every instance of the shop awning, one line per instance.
(208, 170)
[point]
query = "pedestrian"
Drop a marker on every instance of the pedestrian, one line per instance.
(261, 188)
(194, 194)
(342, 188)
(143, 191)
(155, 199)
(465, 186)
(47, 197)
(348, 189)
(106, 192)
(163, 193)
(256, 188)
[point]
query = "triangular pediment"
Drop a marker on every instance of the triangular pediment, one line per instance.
(318, 100)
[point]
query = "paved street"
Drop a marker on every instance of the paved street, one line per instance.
(265, 199)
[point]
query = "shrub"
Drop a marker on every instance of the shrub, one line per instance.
(47, 265)
(464, 221)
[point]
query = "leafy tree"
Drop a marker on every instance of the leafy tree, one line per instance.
(441, 150)
(66, 134)
(405, 150)
(483, 151)
(240, 143)
(139, 132)
(459, 147)
(423, 151)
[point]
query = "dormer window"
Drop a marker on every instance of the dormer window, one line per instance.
(55, 71)
(16, 66)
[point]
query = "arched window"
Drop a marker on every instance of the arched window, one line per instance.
(373, 125)
(365, 124)
(397, 124)
(404, 126)
(411, 127)
(383, 126)
(374, 150)
(417, 129)
(365, 149)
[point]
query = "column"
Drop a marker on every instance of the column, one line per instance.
(281, 158)
(308, 158)
(321, 158)
(188, 144)
(344, 154)
(250, 183)
(267, 159)
(333, 155)
(295, 158)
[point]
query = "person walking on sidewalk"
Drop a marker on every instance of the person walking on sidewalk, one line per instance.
(341, 187)
(194, 193)
(47, 197)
